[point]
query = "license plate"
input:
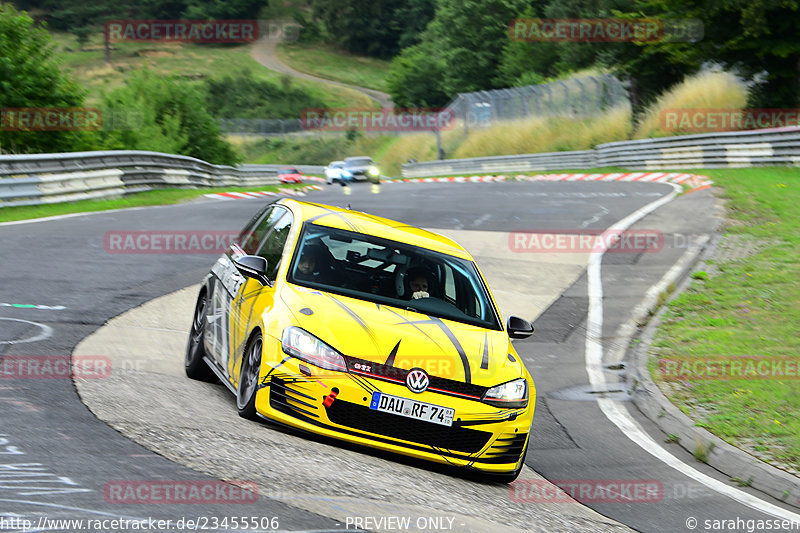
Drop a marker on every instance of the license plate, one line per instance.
(412, 409)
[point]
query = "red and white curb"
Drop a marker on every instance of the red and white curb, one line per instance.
(456, 179)
(694, 181)
(257, 194)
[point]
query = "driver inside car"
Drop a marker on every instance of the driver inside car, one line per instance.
(419, 283)
(312, 266)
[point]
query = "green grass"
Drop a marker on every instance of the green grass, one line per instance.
(325, 61)
(313, 150)
(148, 198)
(744, 307)
(190, 61)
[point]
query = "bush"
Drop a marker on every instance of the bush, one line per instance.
(169, 116)
(241, 95)
(707, 90)
(30, 77)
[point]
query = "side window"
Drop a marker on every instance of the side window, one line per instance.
(271, 248)
(449, 283)
(253, 236)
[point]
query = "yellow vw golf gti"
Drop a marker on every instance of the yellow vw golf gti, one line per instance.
(368, 330)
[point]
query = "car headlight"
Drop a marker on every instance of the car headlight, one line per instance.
(508, 395)
(303, 345)
(373, 171)
(347, 174)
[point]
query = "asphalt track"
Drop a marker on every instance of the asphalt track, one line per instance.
(56, 457)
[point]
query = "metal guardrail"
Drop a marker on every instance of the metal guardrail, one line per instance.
(770, 147)
(52, 178)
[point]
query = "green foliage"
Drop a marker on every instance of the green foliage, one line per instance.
(170, 116)
(241, 95)
(754, 39)
(460, 51)
(472, 35)
(415, 77)
(222, 9)
(376, 28)
(30, 77)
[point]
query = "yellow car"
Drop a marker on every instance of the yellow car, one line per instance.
(367, 330)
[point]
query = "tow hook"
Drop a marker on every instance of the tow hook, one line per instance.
(328, 400)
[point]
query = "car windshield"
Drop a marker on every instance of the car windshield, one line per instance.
(288, 171)
(392, 273)
(359, 162)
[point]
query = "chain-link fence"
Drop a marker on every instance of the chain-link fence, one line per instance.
(575, 97)
(261, 127)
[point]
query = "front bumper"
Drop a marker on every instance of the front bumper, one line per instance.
(482, 437)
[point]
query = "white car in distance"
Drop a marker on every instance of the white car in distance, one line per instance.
(333, 172)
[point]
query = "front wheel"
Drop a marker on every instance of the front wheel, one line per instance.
(195, 366)
(248, 378)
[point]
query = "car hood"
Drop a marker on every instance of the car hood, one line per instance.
(403, 339)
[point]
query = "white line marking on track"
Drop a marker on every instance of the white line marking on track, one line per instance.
(617, 412)
(46, 333)
(34, 306)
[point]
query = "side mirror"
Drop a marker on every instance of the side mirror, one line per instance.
(252, 266)
(519, 328)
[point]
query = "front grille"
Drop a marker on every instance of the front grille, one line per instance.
(398, 375)
(399, 427)
(287, 397)
(506, 448)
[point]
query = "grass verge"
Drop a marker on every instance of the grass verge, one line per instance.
(743, 305)
(148, 198)
(190, 61)
(327, 62)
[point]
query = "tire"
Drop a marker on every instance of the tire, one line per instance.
(248, 378)
(195, 366)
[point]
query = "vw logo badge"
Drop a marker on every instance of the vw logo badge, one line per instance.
(417, 380)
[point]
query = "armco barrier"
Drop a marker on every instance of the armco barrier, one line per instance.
(770, 147)
(52, 178)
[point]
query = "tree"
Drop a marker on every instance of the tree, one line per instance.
(472, 35)
(165, 115)
(373, 27)
(756, 39)
(416, 77)
(30, 77)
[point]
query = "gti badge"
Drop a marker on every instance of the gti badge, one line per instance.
(417, 380)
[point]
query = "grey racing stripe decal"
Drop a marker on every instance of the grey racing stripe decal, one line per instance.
(414, 323)
(336, 214)
(355, 317)
(390, 359)
(457, 345)
(485, 360)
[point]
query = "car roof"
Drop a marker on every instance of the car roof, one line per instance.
(335, 217)
(293, 169)
(357, 157)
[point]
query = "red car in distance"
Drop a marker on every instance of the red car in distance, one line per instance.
(290, 175)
